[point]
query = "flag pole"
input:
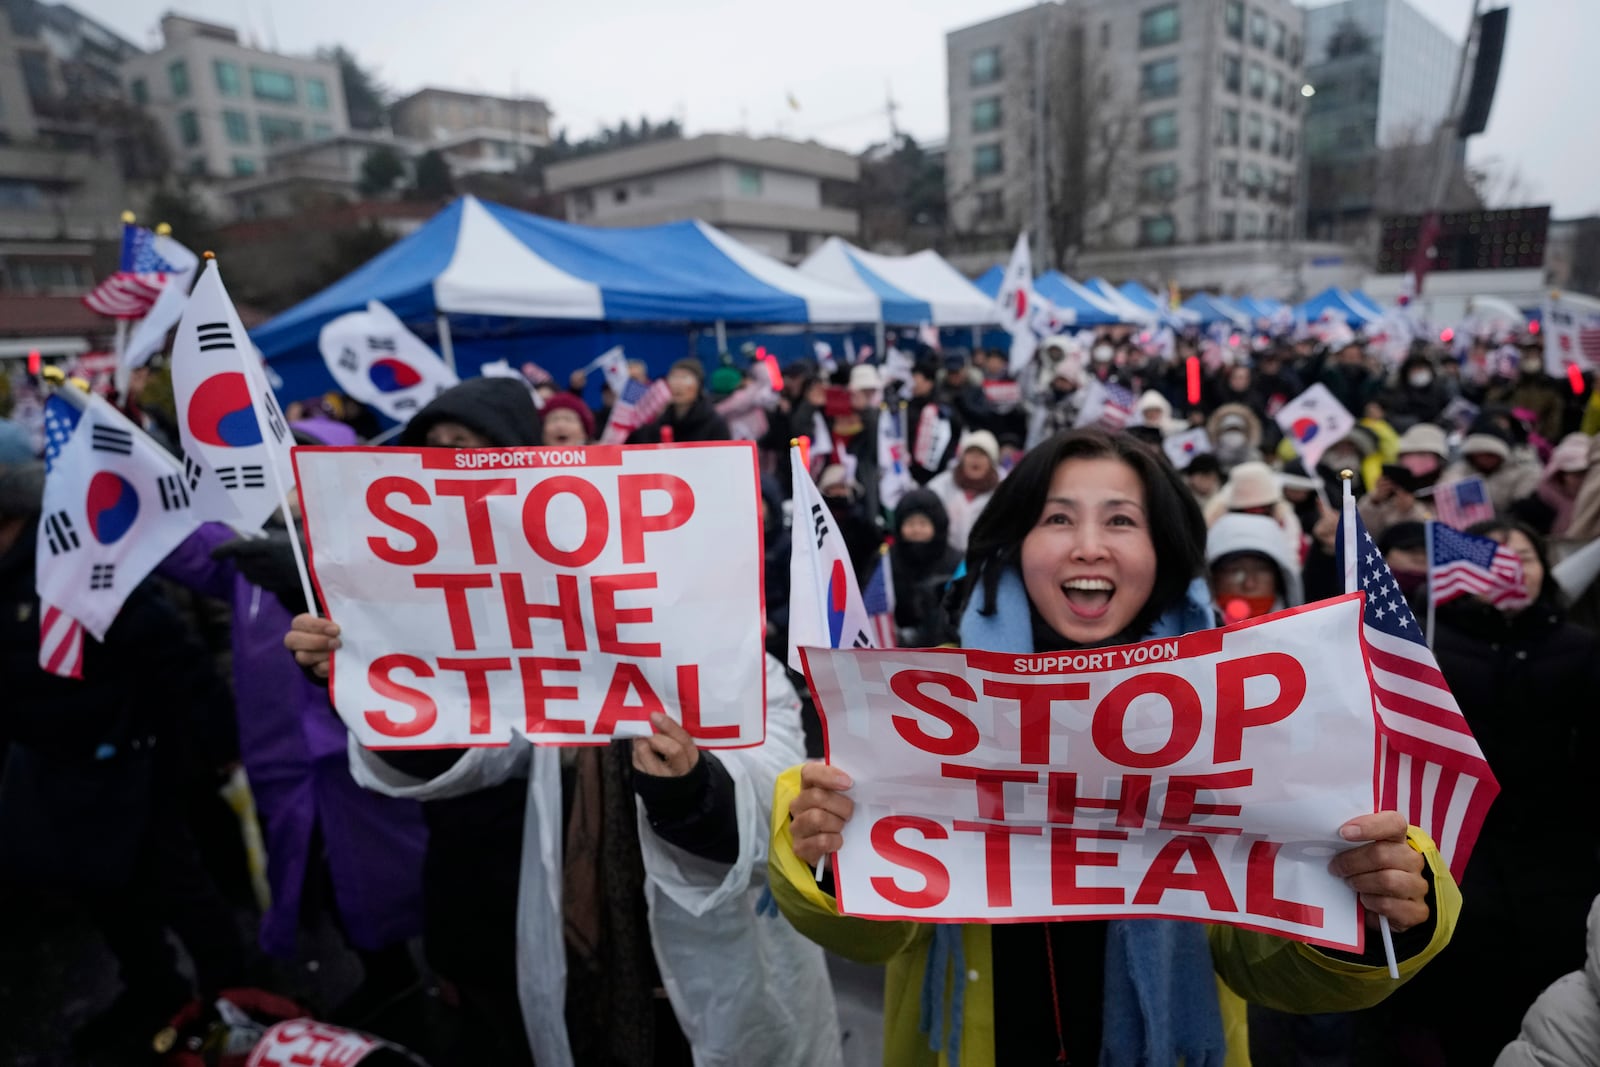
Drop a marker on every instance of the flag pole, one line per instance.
(798, 465)
(1347, 521)
(1427, 540)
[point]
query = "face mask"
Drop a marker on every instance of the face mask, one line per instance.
(1532, 366)
(1232, 439)
(1420, 379)
(1409, 581)
(1341, 460)
(1240, 608)
(1103, 354)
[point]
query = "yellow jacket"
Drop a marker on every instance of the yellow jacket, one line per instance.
(1266, 970)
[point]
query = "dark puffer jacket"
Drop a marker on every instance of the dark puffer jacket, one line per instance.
(1527, 684)
(921, 572)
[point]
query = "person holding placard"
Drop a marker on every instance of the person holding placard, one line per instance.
(1093, 541)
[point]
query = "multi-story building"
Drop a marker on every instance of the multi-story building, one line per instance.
(225, 106)
(476, 134)
(316, 175)
(782, 197)
(1146, 125)
(1382, 74)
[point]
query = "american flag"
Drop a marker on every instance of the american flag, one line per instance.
(1431, 768)
(141, 275)
(878, 599)
(637, 405)
(60, 635)
(1118, 407)
(1463, 565)
(1462, 503)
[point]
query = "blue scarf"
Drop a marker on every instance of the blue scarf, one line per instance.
(1160, 987)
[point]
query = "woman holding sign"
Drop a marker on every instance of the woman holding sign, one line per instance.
(1091, 542)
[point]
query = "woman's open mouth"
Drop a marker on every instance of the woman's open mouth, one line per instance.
(1089, 598)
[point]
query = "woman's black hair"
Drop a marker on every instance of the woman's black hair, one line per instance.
(1548, 591)
(1173, 518)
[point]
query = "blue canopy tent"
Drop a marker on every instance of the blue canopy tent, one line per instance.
(1146, 300)
(1341, 304)
(915, 290)
(1067, 295)
(1112, 297)
(1365, 302)
(1211, 309)
(1259, 308)
(990, 281)
(485, 277)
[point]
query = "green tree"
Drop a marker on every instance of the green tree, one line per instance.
(379, 171)
(366, 99)
(433, 177)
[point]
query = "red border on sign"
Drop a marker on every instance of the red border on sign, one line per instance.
(609, 451)
(1198, 642)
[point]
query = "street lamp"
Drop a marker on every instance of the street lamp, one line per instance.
(1308, 90)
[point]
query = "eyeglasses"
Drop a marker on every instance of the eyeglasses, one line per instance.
(1243, 575)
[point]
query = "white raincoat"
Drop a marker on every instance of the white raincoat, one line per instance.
(746, 987)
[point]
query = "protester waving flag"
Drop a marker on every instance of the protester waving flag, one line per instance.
(376, 360)
(151, 332)
(115, 505)
(894, 470)
(636, 405)
(1462, 503)
(1106, 405)
(1016, 305)
(614, 367)
(142, 273)
(1314, 422)
(234, 434)
(825, 606)
(878, 600)
(1432, 770)
(1460, 564)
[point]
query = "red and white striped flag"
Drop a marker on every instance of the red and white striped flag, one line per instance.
(1432, 770)
(122, 296)
(637, 405)
(878, 599)
(60, 642)
(1106, 405)
(1460, 564)
(1462, 503)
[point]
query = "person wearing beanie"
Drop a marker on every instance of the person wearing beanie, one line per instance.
(1487, 453)
(478, 413)
(1423, 450)
(1204, 477)
(690, 415)
(1252, 571)
(965, 489)
(922, 562)
(725, 381)
(1418, 395)
(567, 421)
(1252, 489)
(1155, 411)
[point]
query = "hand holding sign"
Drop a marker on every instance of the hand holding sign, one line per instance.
(669, 752)
(312, 640)
(1386, 871)
(817, 816)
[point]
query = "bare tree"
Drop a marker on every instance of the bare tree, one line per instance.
(1499, 183)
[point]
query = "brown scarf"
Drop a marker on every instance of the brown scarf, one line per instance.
(611, 968)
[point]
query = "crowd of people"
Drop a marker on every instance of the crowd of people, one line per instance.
(651, 903)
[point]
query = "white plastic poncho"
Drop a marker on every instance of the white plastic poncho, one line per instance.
(746, 987)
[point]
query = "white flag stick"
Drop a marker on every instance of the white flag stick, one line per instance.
(798, 469)
(1351, 586)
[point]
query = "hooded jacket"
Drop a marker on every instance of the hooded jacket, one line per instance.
(1562, 1029)
(921, 572)
(500, 409)
(1252, 431)
(1258, 535)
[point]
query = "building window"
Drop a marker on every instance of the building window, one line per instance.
(141, 92)
(243, 166)
(48, 276)
(1159, 131)
(1254, 181)
(237, 123)
(276, 130)
(1159, 183)
(1233, 19)
(1228, 127)
(188, 128)
(985, 69)
(1294, 50)
(1228, 173)
(1157, 230)
(1232, 76)
(1258, 28)
(583, 203)
(317, 94)
(1277, 39)
(749, 181)
(1276, 91)
(1158, 26)
(987, 161)
(799, 243)
(178, 76)
(986, 114)
(1272, 224)
(274, 85)
(1256, 81)
(197, 166)
(1288, 144)
(1227, 226)
(228, 83)
(1274, 137)
(991, 206)
(321, 131)
(619, 195)
(1249, 226)
(1253, 128)
(1158, 80)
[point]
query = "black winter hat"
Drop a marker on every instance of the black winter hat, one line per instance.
(500, 409)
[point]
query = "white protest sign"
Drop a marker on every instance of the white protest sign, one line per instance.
(308, 1043)
(1201, 777)
(560, 593)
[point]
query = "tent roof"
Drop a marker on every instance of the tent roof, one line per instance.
(480, 258)
(1088, 308)
(911, 290)
(1212, 308)
(991, 280)
(1340, 303)
(1115, 299)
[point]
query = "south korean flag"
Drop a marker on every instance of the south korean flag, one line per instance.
(232, 427)
(115, 505)
(379, 362)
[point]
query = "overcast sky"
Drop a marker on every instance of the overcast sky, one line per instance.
(731, 64)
